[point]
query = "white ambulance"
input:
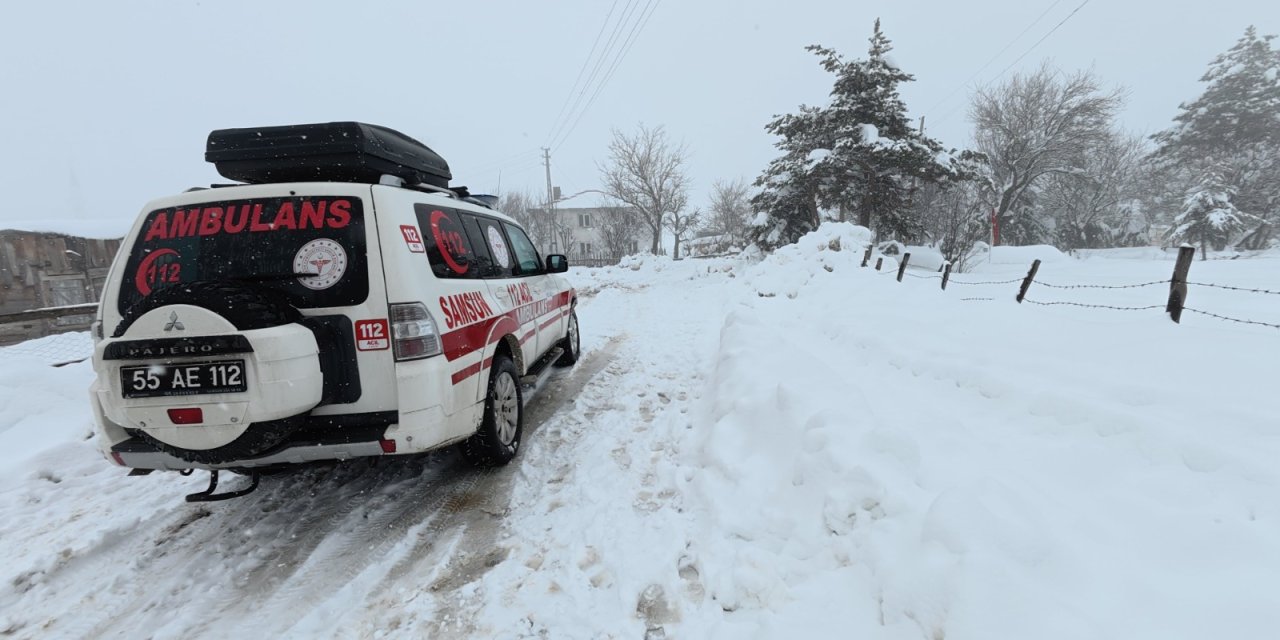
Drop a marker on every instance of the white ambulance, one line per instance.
(340, 300)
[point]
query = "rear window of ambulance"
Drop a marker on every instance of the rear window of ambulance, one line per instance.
(260, 241)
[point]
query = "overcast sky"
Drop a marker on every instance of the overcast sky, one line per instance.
(107, 104)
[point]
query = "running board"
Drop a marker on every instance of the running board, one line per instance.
(208, 495)
(540, 368)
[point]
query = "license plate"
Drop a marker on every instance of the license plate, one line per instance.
(196, 378)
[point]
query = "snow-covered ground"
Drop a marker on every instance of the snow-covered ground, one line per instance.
(794, 448)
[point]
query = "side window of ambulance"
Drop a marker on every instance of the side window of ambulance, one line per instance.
(482, 259)
(449, 248)
(527, 262)
(486, 234)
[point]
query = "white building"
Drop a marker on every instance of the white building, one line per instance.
(577, 234)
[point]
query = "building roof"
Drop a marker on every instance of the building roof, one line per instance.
(96, 229)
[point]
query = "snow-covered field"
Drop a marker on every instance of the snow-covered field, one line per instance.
(796, 448)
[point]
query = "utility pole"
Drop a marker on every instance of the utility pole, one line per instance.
(551, 217)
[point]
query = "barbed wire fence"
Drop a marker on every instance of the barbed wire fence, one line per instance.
(61, 349)
(1176, 303)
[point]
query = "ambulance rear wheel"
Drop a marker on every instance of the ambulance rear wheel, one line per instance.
(498, 439)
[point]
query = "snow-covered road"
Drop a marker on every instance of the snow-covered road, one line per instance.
(795, 448)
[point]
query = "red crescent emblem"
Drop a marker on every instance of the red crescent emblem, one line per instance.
(443, 244)
(140, 277)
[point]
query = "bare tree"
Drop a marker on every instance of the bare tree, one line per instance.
(730, 209)
(647, 173)
(517, 204)
(529, 212)
(1036, 125)
(954, 217)
(682, 224)
(618, 227)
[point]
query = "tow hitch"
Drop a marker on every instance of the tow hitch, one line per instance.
(208, 495)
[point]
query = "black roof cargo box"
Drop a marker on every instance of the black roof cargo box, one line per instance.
(328, 152)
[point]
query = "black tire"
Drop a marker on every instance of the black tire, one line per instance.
(496, 443)
(256, 440)
(242, 306)
(572, 342)
(246, 308)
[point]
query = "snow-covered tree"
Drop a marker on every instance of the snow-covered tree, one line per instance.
(730, 210)
(1033, 126)
(1208, 215)
(1093, 206)
(858, 155)
(788, 198)
(1232, 128)
(1240, 106)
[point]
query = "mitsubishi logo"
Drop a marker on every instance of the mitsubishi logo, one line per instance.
(174, 323)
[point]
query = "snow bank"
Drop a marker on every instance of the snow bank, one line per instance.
(53, 350)
(42, 408)
(882, 459)
(1024, 255)
(816, 254)
(925, 258)
(1128, 253)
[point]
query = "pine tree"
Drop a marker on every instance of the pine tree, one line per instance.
(1208, 215)
(858, 154)
(787, 200)
(1240, 107)
(1232, 128)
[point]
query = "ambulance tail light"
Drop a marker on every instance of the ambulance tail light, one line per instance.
(414, 333)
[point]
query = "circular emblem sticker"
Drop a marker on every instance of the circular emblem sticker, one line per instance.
(323, 257)
(499, 247)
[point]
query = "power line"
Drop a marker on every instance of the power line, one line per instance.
(632, 38)
(585, 62)
(627, 12)
(1042, 39)
(1019, 58)
(505, 161)
(993, 58)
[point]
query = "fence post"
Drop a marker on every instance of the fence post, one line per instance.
(1026, 282)
(902, 266)
(946, 275)
(866, 257)
(879, 261)
(1178, 285)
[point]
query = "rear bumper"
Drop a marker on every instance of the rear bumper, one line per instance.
(322, 438)
(154, 459)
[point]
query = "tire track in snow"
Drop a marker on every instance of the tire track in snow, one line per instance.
(472, 513)
(207, 570)
(202, 548)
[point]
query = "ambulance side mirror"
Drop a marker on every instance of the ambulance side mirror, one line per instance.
(557, 263)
